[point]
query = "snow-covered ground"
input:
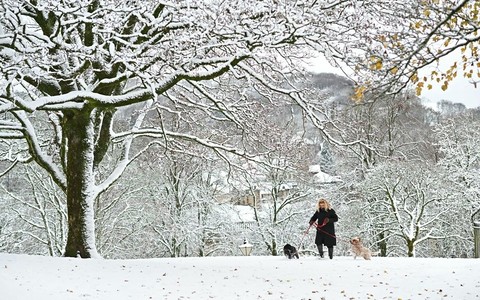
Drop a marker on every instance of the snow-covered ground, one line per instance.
(255, 277)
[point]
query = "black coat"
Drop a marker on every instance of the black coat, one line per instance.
(326, 234)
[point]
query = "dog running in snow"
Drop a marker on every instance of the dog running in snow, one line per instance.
(290, 251)
(359, 250)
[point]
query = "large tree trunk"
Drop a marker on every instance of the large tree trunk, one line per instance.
(411, 248)
(78, 130)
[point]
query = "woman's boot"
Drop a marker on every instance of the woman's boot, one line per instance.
(320, 250)
(330, 252)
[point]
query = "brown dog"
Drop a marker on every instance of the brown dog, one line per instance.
(359, 250)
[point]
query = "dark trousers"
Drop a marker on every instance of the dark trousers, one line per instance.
(320, 251)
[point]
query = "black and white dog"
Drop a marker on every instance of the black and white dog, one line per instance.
(290, 251)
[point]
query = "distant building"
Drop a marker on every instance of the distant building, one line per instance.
(258, 195)
(320, 177)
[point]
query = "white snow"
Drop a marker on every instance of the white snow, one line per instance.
(243, 213)
(238, 277)
(321, 177)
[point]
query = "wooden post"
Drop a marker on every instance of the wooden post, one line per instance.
(476, 239)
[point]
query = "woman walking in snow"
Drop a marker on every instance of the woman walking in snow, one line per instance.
(325, 217)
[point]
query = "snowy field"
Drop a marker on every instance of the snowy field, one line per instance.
(25, 277)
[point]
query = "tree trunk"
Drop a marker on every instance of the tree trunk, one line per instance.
(274, 247)
(78, 131)
(383, 244)
(411, 248)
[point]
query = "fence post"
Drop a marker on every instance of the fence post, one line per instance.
(476, 239)
(476, 234)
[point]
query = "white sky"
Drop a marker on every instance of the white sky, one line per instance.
(25, 277)
(459, 90)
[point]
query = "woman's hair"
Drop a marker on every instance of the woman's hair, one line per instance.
(327, 204)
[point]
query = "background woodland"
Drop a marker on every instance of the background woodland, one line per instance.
(411, 191)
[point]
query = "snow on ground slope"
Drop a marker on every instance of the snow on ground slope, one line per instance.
(256, 277)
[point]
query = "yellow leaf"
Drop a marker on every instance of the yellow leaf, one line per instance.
(429, 86)
(419, 88)
(447, 41)
(394, 70)
(418, 91)
(414, 78)
(359, 92)
(376, 63)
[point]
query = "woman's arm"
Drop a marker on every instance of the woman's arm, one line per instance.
(313, 218)
(333, 216)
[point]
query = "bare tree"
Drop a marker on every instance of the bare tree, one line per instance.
(459, 143)
(279, 189)
(39, 211)
(408, 204)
